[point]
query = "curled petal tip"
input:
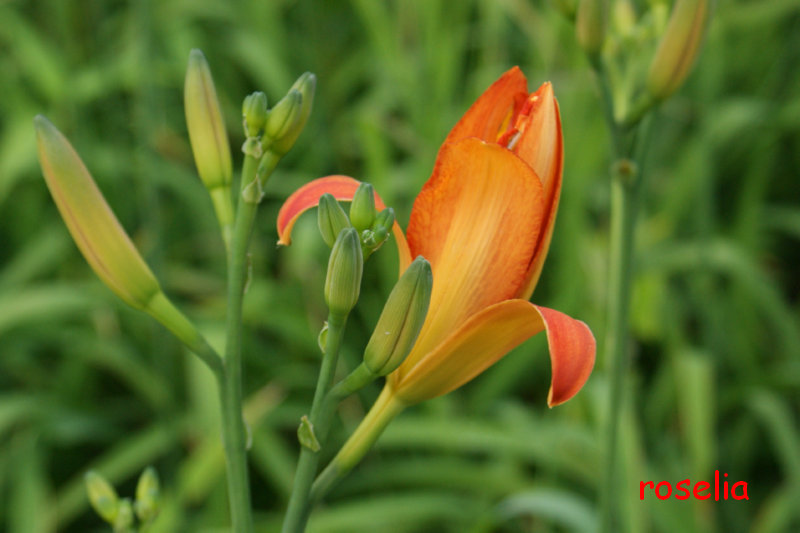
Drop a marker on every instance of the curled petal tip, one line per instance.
(572, 354)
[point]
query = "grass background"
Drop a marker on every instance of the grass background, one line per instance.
(86, 382)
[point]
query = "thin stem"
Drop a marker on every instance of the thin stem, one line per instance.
(626, 185)
(383, 411)
(230, 387)
(297, 511)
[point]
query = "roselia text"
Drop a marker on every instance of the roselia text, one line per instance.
(700, 490)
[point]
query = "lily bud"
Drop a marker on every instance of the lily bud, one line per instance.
(362, 210)
(345, 267)
(102, 496)
(208, 136)
(95, 229)
(331, 219)
(678, 48)
(373, 238)
(306, 84)
(401, 319)
(124, 519)
(590, 25)
(254, 113)
(147, 494)
(282, 121)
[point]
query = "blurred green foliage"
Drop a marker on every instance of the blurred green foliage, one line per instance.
(86, 383)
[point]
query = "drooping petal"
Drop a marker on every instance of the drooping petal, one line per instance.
(493, 110)
(489, 335)
(541, 144)
(342, 188)
(477, 221)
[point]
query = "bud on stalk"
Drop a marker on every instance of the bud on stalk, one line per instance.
(147, 495)
(678, 48)
(95, 229)
(102, 496)
(590, 25)
(401, 319)
(345, 267)
(331, 219)
(208, 136)
(362, 209)
(254, 114)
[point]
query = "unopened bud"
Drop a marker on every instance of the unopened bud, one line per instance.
(373, 238)
(345, 267)
(254, 113)
(306, 84)
(331, 219)
(102, 496)
(124, 519)
(208, 136)
(97, 232)
(678, 48)
(147, 494)
(590, 25)
(401, 319)
(281, 122)
(362, 210)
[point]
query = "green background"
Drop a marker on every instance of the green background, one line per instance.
(86, 382)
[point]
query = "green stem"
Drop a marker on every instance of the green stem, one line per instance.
(383, 411)
(626, 184)
(297, 511)
(230, 386)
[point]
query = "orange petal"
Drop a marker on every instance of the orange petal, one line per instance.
(492, 111)
(489, 335)
(342, 188)
(541, 145)
(477, 221)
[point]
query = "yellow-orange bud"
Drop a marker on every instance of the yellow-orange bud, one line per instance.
(678, 48)
(93, 226)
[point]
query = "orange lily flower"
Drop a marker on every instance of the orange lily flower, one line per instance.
(484, 221)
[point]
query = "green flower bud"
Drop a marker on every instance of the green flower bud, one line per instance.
(345, 267)
(678, 48)
(373, 238)
(102, 496)
(147, 493)
(331, 219)
(282, 120)
(208, 136)
(590, 25)
(123, 522)
(362, 210)
(306, 84)
(254, 113)
(401, 319)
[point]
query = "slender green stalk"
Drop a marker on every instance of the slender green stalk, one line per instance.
(230, 386)
(297, 511)
(626, 184)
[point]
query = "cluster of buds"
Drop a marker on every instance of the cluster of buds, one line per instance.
(269, 133)
(121, 513)
(609, 31)
(372, 226)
